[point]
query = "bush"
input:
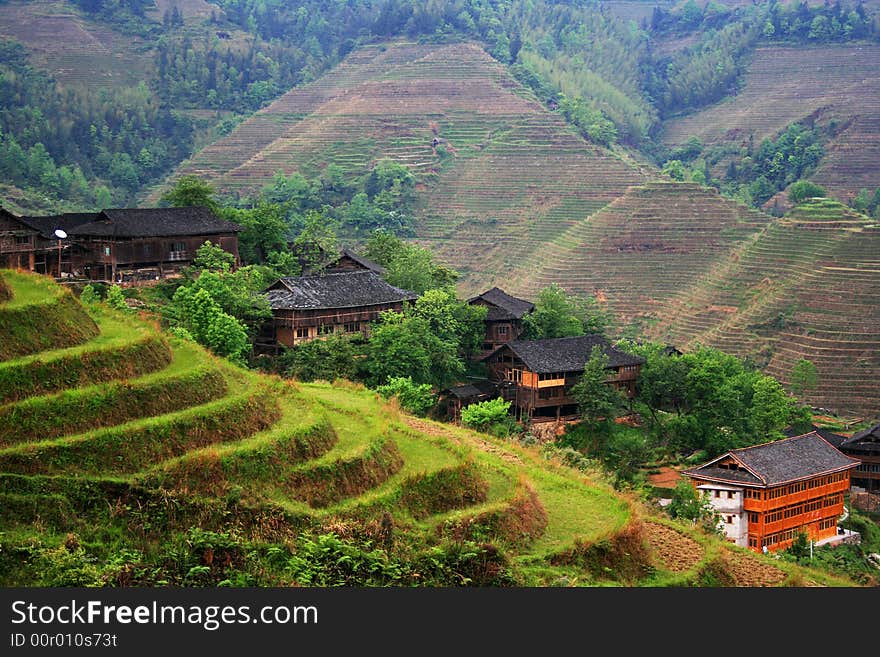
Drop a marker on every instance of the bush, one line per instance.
(483, 414)
(415, 398)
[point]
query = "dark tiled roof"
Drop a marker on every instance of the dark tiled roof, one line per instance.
(780, 461)
(567, 354)
(363, 262)
(834, 438)
(154, 222)
(334, 290)
(504, 306)
(476, 389)
(66, 222)
(867, 440)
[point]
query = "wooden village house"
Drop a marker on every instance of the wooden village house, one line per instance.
(865, 446)
(503, 318)
(767, 494)
(307, 307)
(117, 245)
(537, 375)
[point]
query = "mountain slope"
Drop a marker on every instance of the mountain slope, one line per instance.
(229, 476)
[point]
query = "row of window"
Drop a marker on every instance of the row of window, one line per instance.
(799, 486)
(789, 534)
(799, 509)
(869, 467)
(326, 329)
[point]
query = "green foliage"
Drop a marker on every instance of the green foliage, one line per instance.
(803, 190)
(804, 377)
(408, 266)
(316, 241)
(189, 191)
(453, 320)
(327, 359)
(327, 560)
(89, 295)
(265, 233)
(115, 298)
(558, 314)
(405, 345)
(482, 415)
(417, 399)
(598, 402)
(709, 400)
(688, 504)
(213, 258)
(198, 313)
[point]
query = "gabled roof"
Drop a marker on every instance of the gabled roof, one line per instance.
(334, 290)
(471, 390)
(147, 222)
(46, 225)
(778, 462)
(362, 261)
(565, 354)
(503, 305)
(867, 440)
(834, 438)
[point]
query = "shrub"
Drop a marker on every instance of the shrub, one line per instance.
(416, 398)
(483, 414)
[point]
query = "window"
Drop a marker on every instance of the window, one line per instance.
(730, 494)
(502, 330)
(352, 327)
(717, 493)
(178, 246)
(22, 239)
(148, 249)
(729, 520)
(325, 329)
(106, 250)
(302, 332)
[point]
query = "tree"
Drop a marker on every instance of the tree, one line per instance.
(415, 398)
(198, 313)
(689, 504)
(452, 320)
(265, 231)
(213, 258)
(598, 402)
(316, 242)
(402, 345)
(190, 190)
(558, 314)
(803, 190)
(327, 359)
(804, 377)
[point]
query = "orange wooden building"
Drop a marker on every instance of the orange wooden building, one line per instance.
(765, 495)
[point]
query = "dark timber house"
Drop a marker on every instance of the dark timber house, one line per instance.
(118, 245)
(865, 446)
(308, 307)
(767, 494)
(504, 317)
(24, 247)
(537, 375)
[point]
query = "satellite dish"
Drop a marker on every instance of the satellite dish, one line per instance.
(60, 234)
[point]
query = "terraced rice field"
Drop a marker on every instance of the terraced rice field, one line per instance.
(806, 286)
(787, 85)
(638, 252)
(130, 412)
(77, 52)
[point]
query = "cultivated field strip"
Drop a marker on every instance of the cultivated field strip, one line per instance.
(808, 286)
(784, 85)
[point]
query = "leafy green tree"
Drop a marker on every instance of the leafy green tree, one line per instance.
(265, 230)
(558, 314)
(402, 345)
(115, 298)
(205, 320)
(328, 359)
(689, 504)
(213, 258)
(415, 398)
(316, 242)
(453, 320)
(804, 377)
(190, 190)
(803, 190)
(598, 402)
(625, 454)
